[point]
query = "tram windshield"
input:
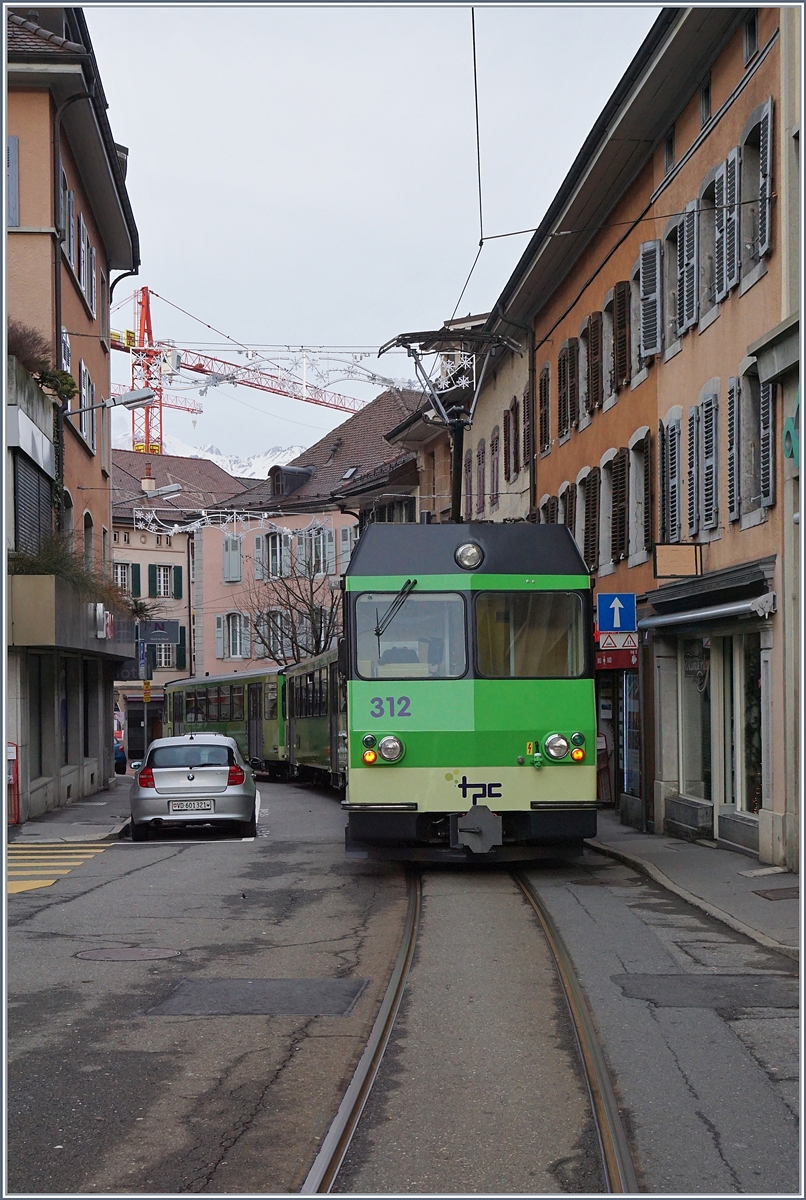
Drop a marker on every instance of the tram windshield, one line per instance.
(530, 635)
(424, 640)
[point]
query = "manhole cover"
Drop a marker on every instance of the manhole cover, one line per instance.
(784, 893)
(261, 997)
(127, 954)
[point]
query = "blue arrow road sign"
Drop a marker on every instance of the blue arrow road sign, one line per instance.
(615, 612)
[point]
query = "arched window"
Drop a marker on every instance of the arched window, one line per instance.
(89, 552)
(756, 166)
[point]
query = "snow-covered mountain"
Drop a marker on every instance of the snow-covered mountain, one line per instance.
(255, 466)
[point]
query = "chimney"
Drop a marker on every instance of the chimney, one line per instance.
(149, 483)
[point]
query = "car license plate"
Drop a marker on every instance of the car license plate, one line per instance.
(191, 806)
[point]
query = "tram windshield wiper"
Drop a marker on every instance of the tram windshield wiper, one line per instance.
(383, 623)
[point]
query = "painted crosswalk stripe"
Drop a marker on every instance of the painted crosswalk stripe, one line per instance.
(33, 866)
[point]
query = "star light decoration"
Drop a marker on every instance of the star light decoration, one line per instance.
(237, 524)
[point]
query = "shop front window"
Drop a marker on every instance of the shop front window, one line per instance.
(695, 718)
(751, 664)
(631, 736)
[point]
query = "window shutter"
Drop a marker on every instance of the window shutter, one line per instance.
(33, 504)
(494, 463)
(691, 222)
(261, 635)
(663, 489)
(93, 280)
(91, 414)
(733, 449)
(12, 181)
(82, 251)
(344, 547)
(767, 444)
(681, 278)
(135, 569)
(507, 443)
(516, 440)
(621, 334)
(481, 472)
(545, 411)
(71, 228)
(259, 557)
(181, 650)
(647, 454)
(720, 215)
(552, 510)
(693, 473)
(710, 463)
(219, 636)
(732, 220)
(571, 508)
(528, 424)
(590, 551)
(573, 382)
(562, 392)
(301, 553)
(595, 386)
(468, 483)
(152, 579)
(649, 296)
(764, 168)
(285, 554)
(177, 583)
(619, 531)
(246, 641)
(330, 552)
(673, 479)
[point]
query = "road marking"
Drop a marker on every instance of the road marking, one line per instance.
(27, 866)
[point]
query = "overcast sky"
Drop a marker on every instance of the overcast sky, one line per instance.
(307, 175)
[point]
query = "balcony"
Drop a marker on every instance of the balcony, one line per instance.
(46, 611)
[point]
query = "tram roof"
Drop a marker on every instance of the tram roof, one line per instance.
(516, 549)
(193, 681)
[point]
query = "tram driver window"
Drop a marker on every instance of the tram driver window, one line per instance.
(528, 635)
(424, 640)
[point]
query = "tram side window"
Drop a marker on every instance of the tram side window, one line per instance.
(237, 703)
(212, 704)
(224, 706)
(530, 635)
(190, 708)
(178, 698)
(425, 638)
(270, 701)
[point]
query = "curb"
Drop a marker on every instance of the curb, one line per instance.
(658, 876)
(115, 834)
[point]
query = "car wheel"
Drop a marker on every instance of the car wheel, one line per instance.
(140, 833)
(249, 828)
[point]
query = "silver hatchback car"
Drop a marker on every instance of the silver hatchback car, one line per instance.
(198, 779)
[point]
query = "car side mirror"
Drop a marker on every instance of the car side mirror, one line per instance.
(255, 763)
(344, 658)
(136, 765)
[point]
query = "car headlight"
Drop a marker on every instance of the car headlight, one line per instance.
(556, 746)
(390, 748)
(469, 556)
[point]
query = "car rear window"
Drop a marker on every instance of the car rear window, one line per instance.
(191, 756)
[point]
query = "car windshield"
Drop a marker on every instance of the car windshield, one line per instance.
(424, 640)
(190, 755)
(530, 635)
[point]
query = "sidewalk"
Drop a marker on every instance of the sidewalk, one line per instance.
(101, 817)
(733, 887)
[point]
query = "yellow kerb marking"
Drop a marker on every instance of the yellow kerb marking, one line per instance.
(27, 885)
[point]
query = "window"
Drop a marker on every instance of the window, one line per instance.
(316, 552)
(727, 255)
(705, 102)
(270, 700)
(567, 388)
(125, 539)
(468, 484)
(122, 576)
(424, 640)
(549, 511)
(530, 635)
(191, 755)
(670, 277)
(595, 361)
(494, 466)
(756, 189)
(115, 536)
(232, 560)
(590, 537)
(481, 481)
(89, 549)
(621, 335)
(163, 655)
(695, 717)
(163, 577)
(640, 493)
(278, 554)
(707, 236)
(619, 525)
(668, 151)
(742, 663)
(582, 374)
(12, 181)
(237, 636)
(751, 447)
(159, 539)
(608, 362)
(688, 269)
(167, 539)
(86, 415)
(33, 504)
(544, 393)
(750, 37)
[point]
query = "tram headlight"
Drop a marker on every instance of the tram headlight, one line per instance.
(390, 748)
(556, 746)
(469, 556)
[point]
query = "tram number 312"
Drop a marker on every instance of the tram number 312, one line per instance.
(380, 706)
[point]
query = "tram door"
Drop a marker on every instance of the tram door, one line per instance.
(178, 713)
(254, 733)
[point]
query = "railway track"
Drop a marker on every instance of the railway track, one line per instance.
(614, 1147)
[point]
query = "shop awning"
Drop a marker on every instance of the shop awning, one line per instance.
(759, 606)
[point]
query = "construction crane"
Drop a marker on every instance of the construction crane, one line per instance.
(153, 361)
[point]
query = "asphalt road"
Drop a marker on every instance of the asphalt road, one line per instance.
(106, 1096)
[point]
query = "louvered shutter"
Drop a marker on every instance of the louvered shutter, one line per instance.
(177, 583)
(673, 440)
(12, 181)
(528, 424)
(663, 489)
(285, 554)
(691, 225)
(693, 471)
(92, 281)
(562, 392)
(135, 575)
(82, 252)
(649, 292)
(573, 382)
(621, 334)
(507, 443)
(720, 215)
(734, 412)
(595, 386)
(552, 510)
(260, 557)
(571, 508)
(246, 642)
(33, 504)
(710, 463)
(764, 189)
(330, 551)
(219, 636)
(261, 635)
(619, 530)
(480, 476)
(71, 228)
(301, 553)
(680, 323)
(152, 579)
(468, 473)
(516, 441)
(732, 220)
(590, 550)
(647, 484)
(181, 650)
(545, 412)
(344, 548)
(767, 444)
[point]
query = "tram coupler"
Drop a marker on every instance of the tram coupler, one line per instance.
(478, 829)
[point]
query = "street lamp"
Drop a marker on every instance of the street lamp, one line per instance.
(140, 398)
